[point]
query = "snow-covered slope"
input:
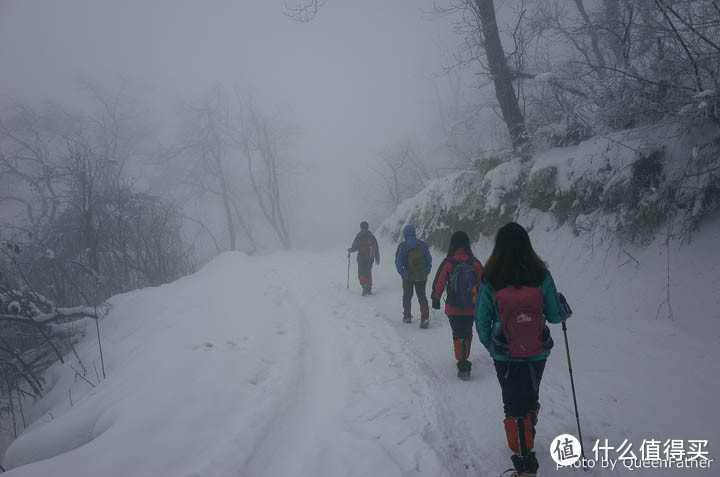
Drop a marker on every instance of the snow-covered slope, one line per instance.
(253, 366)
(269, 366)
(626, 186)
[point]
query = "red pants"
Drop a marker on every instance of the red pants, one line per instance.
(365, 272)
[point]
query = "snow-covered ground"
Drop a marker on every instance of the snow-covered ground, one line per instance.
(269, 366)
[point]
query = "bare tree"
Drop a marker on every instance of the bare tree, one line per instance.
(75, 232)
(476, 21)
(260, 140)
(235, 153)
(401, 173)
(208, 146)
(303, 11)
(636, 60)
(500, 72)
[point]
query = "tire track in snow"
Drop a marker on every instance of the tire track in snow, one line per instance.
(346, 411)
(277, 451)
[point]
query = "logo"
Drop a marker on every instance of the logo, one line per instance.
(565, 450)
(523, 318)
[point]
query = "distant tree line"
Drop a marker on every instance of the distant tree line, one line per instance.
(82, 218)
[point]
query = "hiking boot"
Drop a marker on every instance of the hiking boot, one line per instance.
(424, 322)
(464, 374)
(407, 318)
(515, 473)
(464, 368)
(525, 466)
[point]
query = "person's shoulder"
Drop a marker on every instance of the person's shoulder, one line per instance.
(485, 283)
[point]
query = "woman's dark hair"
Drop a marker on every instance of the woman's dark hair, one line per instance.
(513, 260)
(459, 240)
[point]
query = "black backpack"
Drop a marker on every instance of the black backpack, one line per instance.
(416, 266)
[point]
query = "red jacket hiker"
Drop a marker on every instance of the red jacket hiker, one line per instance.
(460, 271)
(441, 278)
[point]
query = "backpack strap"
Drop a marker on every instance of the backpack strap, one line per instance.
(406, 249)
(451, 260)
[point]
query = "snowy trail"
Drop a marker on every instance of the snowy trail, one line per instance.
(332, 418)
(621, 386)
(269, 366)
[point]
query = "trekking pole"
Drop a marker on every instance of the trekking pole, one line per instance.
(568, 313)
(348, 281)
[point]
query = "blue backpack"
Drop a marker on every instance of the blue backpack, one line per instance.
(460, 284)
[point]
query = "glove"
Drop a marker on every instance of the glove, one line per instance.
(436, 303)
(377, 262)
(405, 275)
(348, 254)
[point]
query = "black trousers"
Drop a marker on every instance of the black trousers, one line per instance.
(461, 327)
(419, 288)
(520, 383)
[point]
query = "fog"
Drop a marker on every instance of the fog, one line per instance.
(179, 182)
(357, 78)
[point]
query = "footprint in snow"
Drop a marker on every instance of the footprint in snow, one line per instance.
(257, 379)
(204, 346)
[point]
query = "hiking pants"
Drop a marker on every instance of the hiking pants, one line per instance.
(520, 383)
(365, 272)
(462, 339)
(419, 287)
(461, 327)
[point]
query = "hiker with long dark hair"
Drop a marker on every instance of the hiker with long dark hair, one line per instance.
(459, 273)
(516, 298)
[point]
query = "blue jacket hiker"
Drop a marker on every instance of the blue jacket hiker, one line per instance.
(515, 300)
(414, 262)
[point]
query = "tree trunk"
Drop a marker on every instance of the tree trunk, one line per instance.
(615, 30)
(594, 38)
(228, 213)
(501, 74)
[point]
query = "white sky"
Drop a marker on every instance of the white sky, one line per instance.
(354, 79)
